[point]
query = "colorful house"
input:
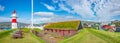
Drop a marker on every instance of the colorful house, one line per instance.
(109, 28)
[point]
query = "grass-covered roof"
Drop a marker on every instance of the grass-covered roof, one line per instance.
(66, 25)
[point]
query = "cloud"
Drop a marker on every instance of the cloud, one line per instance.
(21, 20)
(52, 17)
(62, 6)
(43, 17)
(55, 1)
(49, 7)
(89, 10)
(2, 8)
(42, 20)
(4, 19)
(44, 14)
(69, 17)
(95, 10)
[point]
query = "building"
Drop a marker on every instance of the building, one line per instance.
(67, 28)
(14, 20)
(110, 28)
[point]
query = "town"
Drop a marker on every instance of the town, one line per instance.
(56, 31)
(59, 21)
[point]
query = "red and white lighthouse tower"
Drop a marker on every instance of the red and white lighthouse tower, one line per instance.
(14, 20)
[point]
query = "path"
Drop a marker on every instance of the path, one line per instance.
(49, 38)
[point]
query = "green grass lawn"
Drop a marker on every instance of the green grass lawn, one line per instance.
(5, 33)
(28, 38)
(83, 36)
(38, 30)
(110, 37)
(93, 36)
(86, 35)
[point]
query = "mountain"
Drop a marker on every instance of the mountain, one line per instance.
(8, 24)
(20, 25)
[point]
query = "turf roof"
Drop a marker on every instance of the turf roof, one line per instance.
(66, 25)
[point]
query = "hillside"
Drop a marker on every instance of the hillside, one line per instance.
(93, 36)
(28, 37)
(66, 25)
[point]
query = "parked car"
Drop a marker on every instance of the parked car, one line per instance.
(117, 29)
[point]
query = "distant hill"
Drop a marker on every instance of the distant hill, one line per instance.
(5, 24)
(117, 23)
(89, 22)
(8, 24)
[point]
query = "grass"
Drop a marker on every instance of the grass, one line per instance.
(93, 36)
(40, 40)
(28, 38)
(5, 33)
(83, 36)
(67, 25)
(110, 37)
(26, 30)
(38, 30)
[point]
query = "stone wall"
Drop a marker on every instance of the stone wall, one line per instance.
(61, 32)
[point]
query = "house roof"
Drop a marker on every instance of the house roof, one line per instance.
(108, 27)
(66, 25)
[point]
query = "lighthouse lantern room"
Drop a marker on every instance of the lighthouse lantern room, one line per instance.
(14, 20)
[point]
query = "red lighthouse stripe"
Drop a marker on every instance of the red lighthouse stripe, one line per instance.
(14, 21)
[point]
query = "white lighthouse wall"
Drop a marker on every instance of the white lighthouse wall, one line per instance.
(14, 25)
(13, 15)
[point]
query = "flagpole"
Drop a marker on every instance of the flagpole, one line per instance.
(31, 14)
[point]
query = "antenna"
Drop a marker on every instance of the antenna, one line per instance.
(32, 14)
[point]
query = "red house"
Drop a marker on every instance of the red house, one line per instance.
(67, 28)
(109, 28)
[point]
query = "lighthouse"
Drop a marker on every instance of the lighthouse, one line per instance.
(14, 20)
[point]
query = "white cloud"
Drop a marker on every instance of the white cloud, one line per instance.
(49, 7)
(4, 19)
(52, 18)
(21, 20)
(55, 1)
(43, 17)
(105, 9)
(69, 17)
(45, 14)
(42, 20)
(2, 8)
(62, 6)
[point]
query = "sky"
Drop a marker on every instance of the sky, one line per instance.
(61, 10)
(22, 7)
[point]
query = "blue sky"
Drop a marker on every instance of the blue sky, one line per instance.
(22, 7)
(61, 10)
